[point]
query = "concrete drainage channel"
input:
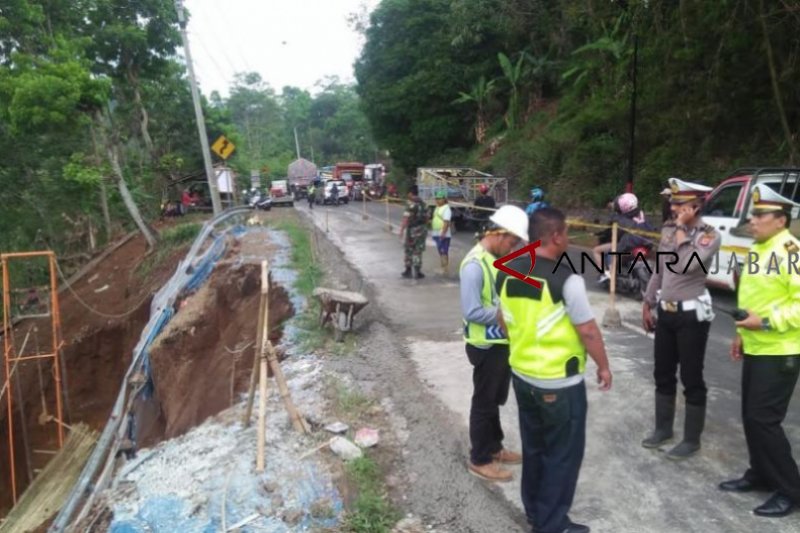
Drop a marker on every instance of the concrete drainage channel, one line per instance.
(192, 361)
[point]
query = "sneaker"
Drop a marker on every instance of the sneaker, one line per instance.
(603, 278)
(507, 457)
(490, 472)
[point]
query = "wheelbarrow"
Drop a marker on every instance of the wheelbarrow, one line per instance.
(339, 308)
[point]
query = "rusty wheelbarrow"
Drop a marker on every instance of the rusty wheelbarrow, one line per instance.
(339, 308)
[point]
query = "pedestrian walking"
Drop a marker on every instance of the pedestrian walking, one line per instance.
(768, 341)
(684, 317)
(312, 193)
(440, 226)
(550, 329)
(487, 345)
(415, 227)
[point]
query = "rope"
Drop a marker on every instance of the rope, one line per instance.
(92, 309)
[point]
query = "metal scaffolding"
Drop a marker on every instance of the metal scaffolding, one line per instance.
(13, 358)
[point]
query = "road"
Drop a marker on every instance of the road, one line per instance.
(667, 497)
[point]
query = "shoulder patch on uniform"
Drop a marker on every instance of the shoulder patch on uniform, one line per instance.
(791, 247)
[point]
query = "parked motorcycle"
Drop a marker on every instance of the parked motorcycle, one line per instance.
(634, 272)
(258, 200)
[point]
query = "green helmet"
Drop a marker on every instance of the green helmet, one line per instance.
(440, 194)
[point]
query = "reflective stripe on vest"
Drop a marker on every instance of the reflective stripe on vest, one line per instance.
(481, 334)
(543, 342)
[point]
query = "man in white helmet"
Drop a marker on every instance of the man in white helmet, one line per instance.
(487, 345)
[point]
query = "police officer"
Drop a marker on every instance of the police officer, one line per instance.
(415, 225)
(487, 345)
(769, 342)
(550, 328)
(684, 317)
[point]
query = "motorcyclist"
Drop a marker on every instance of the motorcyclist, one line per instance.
(537, 201)
(627, 215)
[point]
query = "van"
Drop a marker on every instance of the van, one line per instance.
(728, 208)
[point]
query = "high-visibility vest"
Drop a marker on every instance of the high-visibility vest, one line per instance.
(772, 293)
(481, 334)
(543, 342)
(438, 221)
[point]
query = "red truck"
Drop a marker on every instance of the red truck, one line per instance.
(352, 174)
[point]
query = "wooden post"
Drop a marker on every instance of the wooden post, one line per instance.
(388, 221)
(364, 205)
(263, 303)
(327, 208)
(298, 422)
(612, 317)
(262, 390)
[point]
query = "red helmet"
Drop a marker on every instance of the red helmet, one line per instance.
(483, 188)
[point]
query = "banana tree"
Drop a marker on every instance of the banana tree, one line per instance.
(513, 74)
(479, 96)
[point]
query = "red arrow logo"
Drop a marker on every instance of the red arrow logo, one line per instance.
(500, 264)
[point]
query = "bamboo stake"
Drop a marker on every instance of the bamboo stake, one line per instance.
(262, 398)
(298, 422)
(248, 411)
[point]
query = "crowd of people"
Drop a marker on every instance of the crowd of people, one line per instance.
(534, 331)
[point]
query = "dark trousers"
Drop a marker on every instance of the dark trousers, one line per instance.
(491, 377)
(767, 386)
(552, 424)
(681, 341)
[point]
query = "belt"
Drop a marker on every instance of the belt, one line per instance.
(674, 307)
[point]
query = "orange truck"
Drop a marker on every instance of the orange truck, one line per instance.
(352, 174)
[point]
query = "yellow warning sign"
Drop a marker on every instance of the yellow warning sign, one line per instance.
(223, 147)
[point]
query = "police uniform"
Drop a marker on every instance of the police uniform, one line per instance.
(770, 288)
(684, 319)
(487, 351)
(416, 233)
(547, 359)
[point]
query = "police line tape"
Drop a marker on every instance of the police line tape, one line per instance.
(578, 223)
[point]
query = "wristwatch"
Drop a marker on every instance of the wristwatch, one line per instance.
(765, 325)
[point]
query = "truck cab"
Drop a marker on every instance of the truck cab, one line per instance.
(728, 208)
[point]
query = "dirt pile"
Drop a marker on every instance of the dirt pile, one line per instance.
(203, 358)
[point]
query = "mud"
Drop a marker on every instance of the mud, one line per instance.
(203, 358)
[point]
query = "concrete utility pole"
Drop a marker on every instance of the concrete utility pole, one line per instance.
(198, 113)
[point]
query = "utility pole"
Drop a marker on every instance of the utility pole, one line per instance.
(296, 143)
(198, 113)
(629, 184)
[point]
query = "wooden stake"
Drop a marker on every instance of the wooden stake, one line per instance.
(613, 288)
(298, 422)
(248, 411)
(262, 398)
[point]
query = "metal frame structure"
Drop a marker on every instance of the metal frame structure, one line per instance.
(10, 349)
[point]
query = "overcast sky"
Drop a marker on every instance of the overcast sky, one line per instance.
(288, 42)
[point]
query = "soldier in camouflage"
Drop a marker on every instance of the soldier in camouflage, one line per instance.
(415, 224)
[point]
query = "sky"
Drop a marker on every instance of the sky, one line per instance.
(288, 42)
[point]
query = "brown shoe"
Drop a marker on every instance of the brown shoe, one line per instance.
(490, 472)
(507, 457)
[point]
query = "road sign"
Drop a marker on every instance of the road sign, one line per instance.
(223, 147)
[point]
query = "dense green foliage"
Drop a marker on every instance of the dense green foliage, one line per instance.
(716, 88)
(96, 117)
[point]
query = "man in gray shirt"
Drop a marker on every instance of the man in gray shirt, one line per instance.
(684, 317)
(487, 345)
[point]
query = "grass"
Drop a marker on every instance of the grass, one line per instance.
(169, 240)
(371, 512)
(302, 259)
(350, 402)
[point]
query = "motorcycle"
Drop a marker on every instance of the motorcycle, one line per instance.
(257, 200)
(634, 270)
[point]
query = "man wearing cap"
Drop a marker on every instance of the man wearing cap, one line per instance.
(550, 327)
(769, 342)
(678, 289)
(415, 226)
(442, 216)
(487, 345)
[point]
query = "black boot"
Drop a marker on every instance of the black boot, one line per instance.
(692, 428)
(406, 273)
(665, 417)
(418, 273)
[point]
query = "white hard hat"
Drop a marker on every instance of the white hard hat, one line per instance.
(512, 219)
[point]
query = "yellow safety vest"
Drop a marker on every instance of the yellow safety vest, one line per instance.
(543, 342)
(481, 334)
(438, 221)
(773, 293)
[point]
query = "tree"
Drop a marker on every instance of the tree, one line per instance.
(479, 96)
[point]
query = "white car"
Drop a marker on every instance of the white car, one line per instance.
(327, 195)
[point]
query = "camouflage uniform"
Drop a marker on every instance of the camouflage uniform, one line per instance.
(416, 233)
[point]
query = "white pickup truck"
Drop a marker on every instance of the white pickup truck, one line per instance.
(728, 208)
(281, 195)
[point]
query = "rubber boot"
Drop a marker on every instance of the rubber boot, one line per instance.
(692, 428)
(406, 273)
(445, 261)
(665, 417)
(418, 273)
